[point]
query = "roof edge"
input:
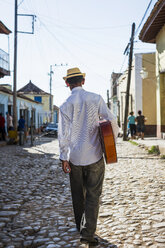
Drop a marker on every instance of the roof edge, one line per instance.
(4, 29)
(155, 11)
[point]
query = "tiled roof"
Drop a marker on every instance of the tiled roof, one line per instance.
(5, 90)
(31, 88)
(55, 107)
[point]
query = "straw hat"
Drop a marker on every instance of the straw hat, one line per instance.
(73, 72)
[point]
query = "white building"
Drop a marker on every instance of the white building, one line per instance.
(26, 107)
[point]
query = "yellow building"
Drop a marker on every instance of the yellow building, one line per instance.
(35, 93)
(153, 31)
(142, 94)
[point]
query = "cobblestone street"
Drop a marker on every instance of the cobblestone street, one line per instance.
(36, 207)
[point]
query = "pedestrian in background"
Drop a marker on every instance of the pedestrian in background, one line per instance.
(2, 127)
(132, 125)
(81, 153)
(140, 119)
(9, 122)
(128, 130)
(21, 124)
(21, 129)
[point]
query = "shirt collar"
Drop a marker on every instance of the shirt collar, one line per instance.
(78, 88)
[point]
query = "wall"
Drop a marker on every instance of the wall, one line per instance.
(122, 86)
(141, 91)
(160, 46)
(160, 92)
(22, 104)
(4, 105)
(46, 105)
(149, 93)
(138, 83)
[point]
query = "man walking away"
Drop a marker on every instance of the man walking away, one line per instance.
(81, 153)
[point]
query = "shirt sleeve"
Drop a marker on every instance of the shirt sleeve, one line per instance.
(106, 114)
(64, 135)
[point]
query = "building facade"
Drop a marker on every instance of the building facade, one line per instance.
(153, 31)
(35, 93)
(26, 107)
(114, 101)
(4, 56)
(142, 95)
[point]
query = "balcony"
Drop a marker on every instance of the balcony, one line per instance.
(4, 64)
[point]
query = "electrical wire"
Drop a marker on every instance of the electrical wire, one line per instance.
(72, 54)
(143, 17)
(136, 31)
(123, 63)
(20, 3)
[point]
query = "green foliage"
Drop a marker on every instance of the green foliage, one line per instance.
(133, 142)
(162, 156)
(154, 150)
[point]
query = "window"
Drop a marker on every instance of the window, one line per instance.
(38, 98)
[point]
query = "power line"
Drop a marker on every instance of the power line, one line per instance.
(123, 63)
(63, 45)
(143, 17)
(126, 51)
(20, 3)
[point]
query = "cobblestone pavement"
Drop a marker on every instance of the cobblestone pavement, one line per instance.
(36, 208)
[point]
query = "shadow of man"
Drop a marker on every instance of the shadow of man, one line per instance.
(103, 243)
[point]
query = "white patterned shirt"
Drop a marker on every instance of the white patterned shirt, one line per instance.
(78, 132)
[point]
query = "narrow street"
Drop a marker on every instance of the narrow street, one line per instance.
(36, 207)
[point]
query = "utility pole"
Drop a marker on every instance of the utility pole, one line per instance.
(108, 103)
(15, 71)
(50, 85)
(15, 59)
(128, 82)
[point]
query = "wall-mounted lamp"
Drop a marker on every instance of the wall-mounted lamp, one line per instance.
(144, 73)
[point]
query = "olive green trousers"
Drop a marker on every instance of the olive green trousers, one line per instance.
(86, 187)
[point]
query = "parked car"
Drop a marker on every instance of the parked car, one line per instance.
(52, 128)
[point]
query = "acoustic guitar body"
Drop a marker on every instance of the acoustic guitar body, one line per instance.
(108, 142)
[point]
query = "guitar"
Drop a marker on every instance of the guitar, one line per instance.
(107, 141)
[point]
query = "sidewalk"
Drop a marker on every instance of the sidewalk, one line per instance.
(153, 141)
(36, 136)
(3, 143)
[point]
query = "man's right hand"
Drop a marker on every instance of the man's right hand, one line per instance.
(65, 166)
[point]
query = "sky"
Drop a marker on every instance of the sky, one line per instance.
(89, 34)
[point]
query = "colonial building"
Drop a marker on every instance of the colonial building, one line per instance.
(26, 107)
(35, 93)
(114, 101)
(153, 31)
